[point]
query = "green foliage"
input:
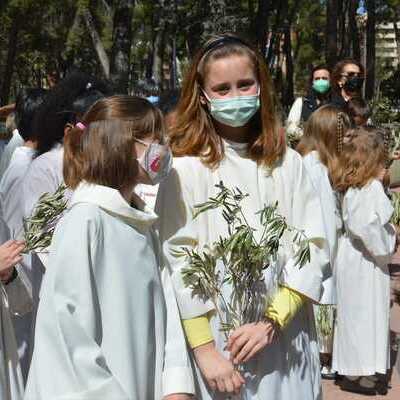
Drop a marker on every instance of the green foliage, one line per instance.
(239, 259)
(39, 227)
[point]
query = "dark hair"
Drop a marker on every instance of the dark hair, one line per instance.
(27, 104)
(64, 104)
(168, 101)
(103, 152)
(358, 107)
(317, 68)
(338, 70)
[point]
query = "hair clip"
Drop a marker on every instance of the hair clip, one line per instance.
(81, 126)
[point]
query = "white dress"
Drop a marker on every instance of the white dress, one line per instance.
(11, 198)
(15, 299)
(45, 175)
(290, 368)
(11, 205)
(14, 143)
(333, 225)
(361, 343)
(108, 325)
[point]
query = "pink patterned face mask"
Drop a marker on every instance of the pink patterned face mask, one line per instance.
(156, 161)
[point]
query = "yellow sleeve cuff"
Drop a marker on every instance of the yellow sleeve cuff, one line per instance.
(198, 331)
(284, 306)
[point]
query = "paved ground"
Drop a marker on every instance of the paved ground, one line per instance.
(333, 392)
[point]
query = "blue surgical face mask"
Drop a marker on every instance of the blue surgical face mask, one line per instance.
(234, 111)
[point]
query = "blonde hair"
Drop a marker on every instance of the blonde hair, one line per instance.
(362, 159)
(193, 132)
(103, 153)
(324, 132)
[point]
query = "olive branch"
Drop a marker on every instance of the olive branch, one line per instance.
(244, 259)
(39, 227)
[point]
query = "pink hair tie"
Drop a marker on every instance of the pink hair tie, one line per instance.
(80, 126)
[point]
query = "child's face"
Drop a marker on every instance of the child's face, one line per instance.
(232, 76)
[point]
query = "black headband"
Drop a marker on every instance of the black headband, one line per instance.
(223, 41)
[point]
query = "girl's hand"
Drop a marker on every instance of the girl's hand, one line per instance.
(246, 341)
(178, 396)
(217, 370)
(10, 254)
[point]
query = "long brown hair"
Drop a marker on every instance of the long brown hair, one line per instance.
(194, 134)
(337, 72)
(324, 133)
(362, 159)
(103, 152)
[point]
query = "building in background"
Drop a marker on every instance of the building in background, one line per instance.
(386, 46)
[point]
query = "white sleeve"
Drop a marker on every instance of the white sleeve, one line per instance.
(177, 374)
(177, 229)
(68, 363)
(306, 215)
(294, 117)
(366, 216)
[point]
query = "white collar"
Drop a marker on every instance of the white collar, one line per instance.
(111, 201)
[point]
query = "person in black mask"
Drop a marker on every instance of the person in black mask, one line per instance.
(347, 81)
(318, 94)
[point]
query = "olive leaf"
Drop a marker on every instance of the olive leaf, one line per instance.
(39, 227)
(239, 259)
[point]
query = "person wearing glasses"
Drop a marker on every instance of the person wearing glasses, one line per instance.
(347, 81)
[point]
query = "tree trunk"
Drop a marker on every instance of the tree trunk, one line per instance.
(288, 97)
(370, 67)
(121, 47)
(97, 43)
(10, 62)
(264, 8)
(353, 31)
(331, 31)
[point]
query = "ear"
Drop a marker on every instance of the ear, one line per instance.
(203, 100)
(67, 129)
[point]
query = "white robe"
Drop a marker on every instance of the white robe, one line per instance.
(288, 369)
(107, 328)
(361, 342)
(15, 299)
(11, 204)
(330, 213)
(45, 175)
(11, 198)
(14, 142)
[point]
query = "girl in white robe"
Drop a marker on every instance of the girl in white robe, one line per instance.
(323, 133)
(11, 202)
(108, 324)
(223, 133)
(15, 299)
(361, 342)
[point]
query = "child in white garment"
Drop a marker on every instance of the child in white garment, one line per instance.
(361, 342)
(324, 131)
(108, 325)
(15, 298)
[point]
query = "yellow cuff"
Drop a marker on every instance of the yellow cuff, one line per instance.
(284, 306)
(198, 331)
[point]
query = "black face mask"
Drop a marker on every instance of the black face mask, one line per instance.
(354, 84)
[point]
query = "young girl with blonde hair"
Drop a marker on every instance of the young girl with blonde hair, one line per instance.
(108, 325)
(361, 342)
(319, 146)
(227, 129)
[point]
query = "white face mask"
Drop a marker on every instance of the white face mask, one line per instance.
(156, 161)
(234, 111)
